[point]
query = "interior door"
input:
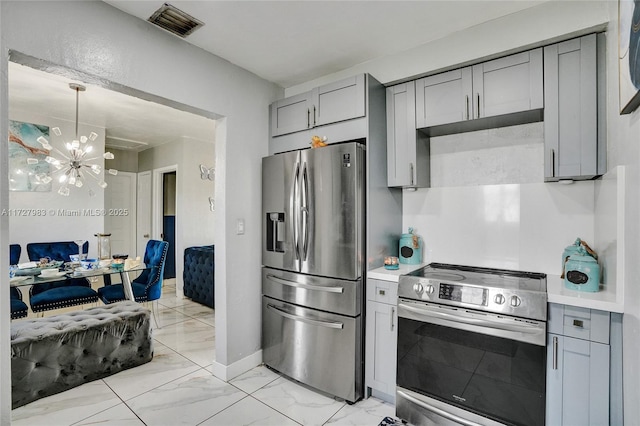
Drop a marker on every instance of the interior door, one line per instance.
(120, 204)
(143, 216)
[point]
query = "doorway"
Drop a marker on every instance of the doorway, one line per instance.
(169, 222)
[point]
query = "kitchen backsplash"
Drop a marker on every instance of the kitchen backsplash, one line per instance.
(511, 154)
(512, 226)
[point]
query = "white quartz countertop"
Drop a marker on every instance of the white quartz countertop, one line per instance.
(393, 275)
(606, 299)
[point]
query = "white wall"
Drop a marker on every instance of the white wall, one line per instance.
(195, 222)
(99, 40)
(549, 22)
(54, 226)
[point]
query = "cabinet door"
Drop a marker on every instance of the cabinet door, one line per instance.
(577, 382)
(381, 343)
(291, 114)
(339, 101)
(570, 109)
(401, 134)
(444, 98)
(507, 85)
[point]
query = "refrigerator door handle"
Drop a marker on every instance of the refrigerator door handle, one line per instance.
(290, 283)
(295, 206)
(304, 209)
(328, 324)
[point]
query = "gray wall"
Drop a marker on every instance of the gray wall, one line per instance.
(99, 40)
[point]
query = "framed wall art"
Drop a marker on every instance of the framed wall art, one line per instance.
(28, 170)
(629, 54)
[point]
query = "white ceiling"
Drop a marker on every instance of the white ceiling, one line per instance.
(130, 123)
(285, 42)
(292, 42)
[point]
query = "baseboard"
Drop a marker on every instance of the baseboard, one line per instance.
(228, 372)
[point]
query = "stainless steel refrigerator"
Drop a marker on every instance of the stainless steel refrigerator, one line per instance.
(313, 266)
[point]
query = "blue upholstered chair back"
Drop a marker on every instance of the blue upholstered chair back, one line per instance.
(60, 250)
(15, 250)
(154, 255)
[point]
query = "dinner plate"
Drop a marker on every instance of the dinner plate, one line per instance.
(18, 279)
(56, 275)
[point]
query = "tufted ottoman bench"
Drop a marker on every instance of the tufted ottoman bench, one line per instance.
(53, 354)
(198, 275)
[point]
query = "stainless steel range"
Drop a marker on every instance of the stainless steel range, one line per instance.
(471, 346)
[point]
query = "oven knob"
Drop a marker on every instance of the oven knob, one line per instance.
(515, 301)
(430, 289)
(499, 299)
(418, 288)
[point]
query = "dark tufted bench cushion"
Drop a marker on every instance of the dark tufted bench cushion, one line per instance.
(198, 275)
(50, 355)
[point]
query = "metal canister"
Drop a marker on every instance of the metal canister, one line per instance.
(410, 249)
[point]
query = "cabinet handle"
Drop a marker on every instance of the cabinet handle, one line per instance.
(553, 162)
(411, 174)
(478, 98)
(578, 323)
(393, 312)
(555, 353)
(466, 100)
(314, 116)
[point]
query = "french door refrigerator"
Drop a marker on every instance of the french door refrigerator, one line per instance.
(313, 261)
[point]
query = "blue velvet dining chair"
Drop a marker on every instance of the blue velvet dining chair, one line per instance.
(63, 293)
(19, 309)
(148, 286)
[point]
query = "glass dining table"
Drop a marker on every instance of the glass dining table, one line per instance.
(26, 277)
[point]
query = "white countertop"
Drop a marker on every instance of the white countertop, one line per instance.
(606, 299)
(393, 275)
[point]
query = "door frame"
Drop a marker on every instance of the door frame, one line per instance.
(157, 207)
(157, 198)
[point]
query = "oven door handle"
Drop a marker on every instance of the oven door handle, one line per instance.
(327, 324)
(481, 322)
(437, 410)
(327, 289)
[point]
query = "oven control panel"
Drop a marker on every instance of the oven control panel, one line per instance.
(465, 294)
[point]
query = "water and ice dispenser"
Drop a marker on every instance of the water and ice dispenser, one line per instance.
(275, 232)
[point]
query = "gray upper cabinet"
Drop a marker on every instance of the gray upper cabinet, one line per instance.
(444, 98)
(573, 124)
(404, 145)
(291, 114)
(502, 86)
(331, 103)
(339, 101)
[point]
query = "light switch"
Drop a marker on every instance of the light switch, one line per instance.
(240, 227)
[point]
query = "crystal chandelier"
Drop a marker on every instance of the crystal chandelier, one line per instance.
(74, 166)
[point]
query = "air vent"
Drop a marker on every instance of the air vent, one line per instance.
(174, 20)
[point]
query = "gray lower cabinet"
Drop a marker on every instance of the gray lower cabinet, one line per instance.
(502, 86)
(407, 149)
(578, 366)
(381, 339)
(574, 129)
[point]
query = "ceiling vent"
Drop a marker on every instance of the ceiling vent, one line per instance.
(174, 20)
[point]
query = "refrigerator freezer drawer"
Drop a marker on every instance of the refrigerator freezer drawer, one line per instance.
(326, 294)
(319, 349)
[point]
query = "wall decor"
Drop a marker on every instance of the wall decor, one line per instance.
(26, 170)
(207, 172)
(629, 54)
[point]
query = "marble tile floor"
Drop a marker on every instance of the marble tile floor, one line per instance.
(178, 388)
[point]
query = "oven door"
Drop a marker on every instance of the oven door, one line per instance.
(469, 367)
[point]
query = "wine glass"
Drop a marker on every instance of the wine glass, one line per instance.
(80, 243)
